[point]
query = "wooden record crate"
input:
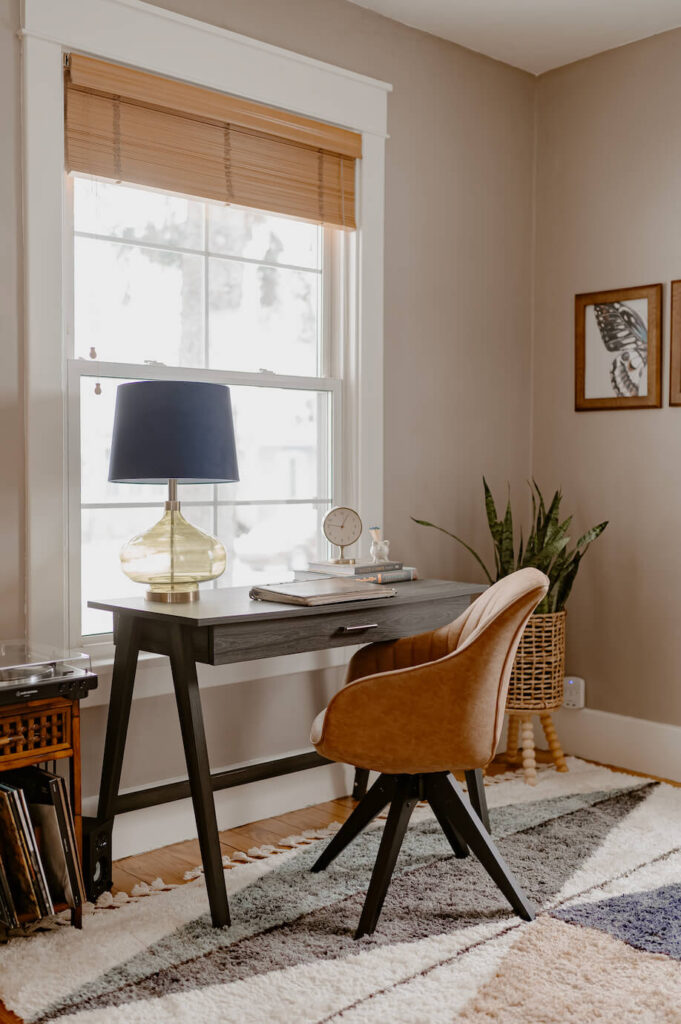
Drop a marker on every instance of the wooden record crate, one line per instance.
(36, 731)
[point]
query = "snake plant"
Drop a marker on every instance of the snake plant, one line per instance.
(547, 547)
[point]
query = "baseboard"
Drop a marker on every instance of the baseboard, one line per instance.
(139, 831)
(633, 743)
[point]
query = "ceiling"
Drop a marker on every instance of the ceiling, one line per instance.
(535, 35)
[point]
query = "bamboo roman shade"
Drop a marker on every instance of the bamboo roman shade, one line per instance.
(136, 127)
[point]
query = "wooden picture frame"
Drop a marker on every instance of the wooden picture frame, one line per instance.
(675, 346)
(618, 350)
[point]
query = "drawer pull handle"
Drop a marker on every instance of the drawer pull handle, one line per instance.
(359, 629)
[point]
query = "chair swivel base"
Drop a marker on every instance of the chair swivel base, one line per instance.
(459, 822)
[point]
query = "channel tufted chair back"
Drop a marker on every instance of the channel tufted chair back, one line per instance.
(433, 702)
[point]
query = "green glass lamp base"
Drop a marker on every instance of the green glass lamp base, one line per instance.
(172, 558)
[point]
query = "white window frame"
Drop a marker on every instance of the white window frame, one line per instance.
(336, 259)
(132, 32)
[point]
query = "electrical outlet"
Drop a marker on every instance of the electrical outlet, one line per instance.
(573, 692)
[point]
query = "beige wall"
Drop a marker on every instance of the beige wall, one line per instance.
(457, 327)
(11, 387)
(608, 216)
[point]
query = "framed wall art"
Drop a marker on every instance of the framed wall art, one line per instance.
(675, 346)
(618, 349)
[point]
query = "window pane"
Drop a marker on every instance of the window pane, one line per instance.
(104, 208)
(263, 318)
(265, 543)
(283, 443)
(236, 231)
(134, 305)
(104, 532)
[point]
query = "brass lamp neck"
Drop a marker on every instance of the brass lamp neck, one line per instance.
(172, 504)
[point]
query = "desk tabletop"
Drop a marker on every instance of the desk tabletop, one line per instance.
(232, 604)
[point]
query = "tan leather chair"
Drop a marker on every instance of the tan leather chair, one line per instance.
(419, 708)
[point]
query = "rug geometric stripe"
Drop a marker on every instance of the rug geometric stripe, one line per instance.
(436, 895)
(591, 846)
(652, 829)
(649, 920)
(559, 974)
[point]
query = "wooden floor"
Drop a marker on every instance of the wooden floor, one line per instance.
(171, 862)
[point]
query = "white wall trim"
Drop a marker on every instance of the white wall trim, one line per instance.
(634, 743)
(139, 831)
(149, 37)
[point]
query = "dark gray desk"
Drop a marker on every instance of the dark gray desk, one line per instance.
(225, 626)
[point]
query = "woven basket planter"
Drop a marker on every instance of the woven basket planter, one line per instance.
(539, 666)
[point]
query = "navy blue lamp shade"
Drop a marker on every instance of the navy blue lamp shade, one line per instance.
(173, 430)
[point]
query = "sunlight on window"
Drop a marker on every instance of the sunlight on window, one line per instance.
(191, 284)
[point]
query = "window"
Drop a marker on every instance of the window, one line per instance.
(166, 286)
(207, 58)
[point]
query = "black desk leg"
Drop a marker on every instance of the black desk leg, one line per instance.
(476, 794)
(97, 831)
(194, 740)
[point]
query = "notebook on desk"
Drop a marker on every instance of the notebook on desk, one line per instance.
(324, 591)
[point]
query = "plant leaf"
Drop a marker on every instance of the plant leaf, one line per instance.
(506, 555)
(495, 526)
(476, 556)
(590, 536)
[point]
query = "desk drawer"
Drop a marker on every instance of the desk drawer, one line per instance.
(246, 641)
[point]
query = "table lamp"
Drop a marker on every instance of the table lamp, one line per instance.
(176, 432)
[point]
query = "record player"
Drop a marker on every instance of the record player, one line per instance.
(29, 672)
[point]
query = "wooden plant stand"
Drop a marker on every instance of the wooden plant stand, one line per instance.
(521, 730)
(39, 731)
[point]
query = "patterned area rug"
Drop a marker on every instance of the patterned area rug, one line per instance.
(599, 852)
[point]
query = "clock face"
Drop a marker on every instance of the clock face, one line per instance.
(342, 526)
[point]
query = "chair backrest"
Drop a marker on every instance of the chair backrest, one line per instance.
(443, 711)
(490, 631)
(499, 596)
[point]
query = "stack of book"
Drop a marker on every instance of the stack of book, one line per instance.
(367, 572)
(40, 872)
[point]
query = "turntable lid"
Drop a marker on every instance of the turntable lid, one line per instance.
(20, 655)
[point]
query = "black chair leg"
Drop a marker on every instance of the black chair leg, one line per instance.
(404, 801)
(453, 835)
(359, 787)
(476, 794)
(380, 794)
(447, 800)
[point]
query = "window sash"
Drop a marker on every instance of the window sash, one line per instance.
(337, 249)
